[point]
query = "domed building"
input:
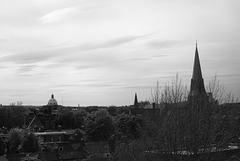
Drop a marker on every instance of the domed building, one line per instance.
(52, 101)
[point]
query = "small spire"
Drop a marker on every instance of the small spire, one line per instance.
(52, 96)
(136, 100)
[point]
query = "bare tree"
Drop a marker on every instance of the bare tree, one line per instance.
(192, 128)
(230, 98)
(18, 103)
(219, 92)
(173, 92)
(155, 96)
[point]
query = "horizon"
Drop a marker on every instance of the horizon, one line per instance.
(103, 52)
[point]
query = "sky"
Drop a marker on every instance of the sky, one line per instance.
(92, 52)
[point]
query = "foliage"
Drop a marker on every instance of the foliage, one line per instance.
(15, 137)
(27, 158)
(129, 152)
(30, 143)
(97, 157)
(91, 109)
(112, 110)
(193, 127)
(78, 117)
(78, 136)
(98, 126)
(65, 117)
(129, 126)
(2, 147)
(12, 116)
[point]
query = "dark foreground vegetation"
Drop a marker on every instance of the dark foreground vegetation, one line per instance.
(172, 129)
(177, 131)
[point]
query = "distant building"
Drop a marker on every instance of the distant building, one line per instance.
(52, 101)
(136, 104)
(197, 93)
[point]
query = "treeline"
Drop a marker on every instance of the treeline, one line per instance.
(100, 124)
(12, 116)
(19, 116)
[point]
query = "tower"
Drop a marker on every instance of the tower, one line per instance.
(135, 101)
(197, 90)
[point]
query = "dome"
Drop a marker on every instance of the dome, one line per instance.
(52, 101)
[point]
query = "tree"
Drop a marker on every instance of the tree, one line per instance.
(98, 126)
(97, 157)
(192, 127)
(155, 96)
(18, 103)
(219, 92)
(173, 92)
(15, 138)
(78, 117)
(130, 152)
(129, 126)
(2, 147)
(65, 118)
(30, 143)
(12, 116)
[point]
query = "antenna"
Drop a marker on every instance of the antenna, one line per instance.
(62, 100)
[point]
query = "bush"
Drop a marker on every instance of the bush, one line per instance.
(30, 143)
(97, 157)
(15, 139)
(2, 147)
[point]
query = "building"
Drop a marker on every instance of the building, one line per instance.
(52, 101)
(198, 94)
(135, 101)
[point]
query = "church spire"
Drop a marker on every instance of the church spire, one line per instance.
(197, 72)
(135, 100)
(197, 89)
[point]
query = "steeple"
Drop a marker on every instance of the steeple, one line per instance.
(197, 90)
(135, 101)
(197, 72)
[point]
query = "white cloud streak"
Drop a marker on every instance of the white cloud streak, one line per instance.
(59, 15)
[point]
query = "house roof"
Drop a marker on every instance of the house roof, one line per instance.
(35, 121)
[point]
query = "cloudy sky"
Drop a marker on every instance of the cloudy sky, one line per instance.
(100, 52)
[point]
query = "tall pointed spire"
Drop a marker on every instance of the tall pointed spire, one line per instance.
(197, 72)
(135, 100)
(197, 90)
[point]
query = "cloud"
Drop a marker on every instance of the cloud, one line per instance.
(157, 44)
(3, 40)
(147, 58)
(108, 43)
(29, 57)
(140, 58)
(59, 15)
(68, 53)
(26, 68)
(159, 56)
